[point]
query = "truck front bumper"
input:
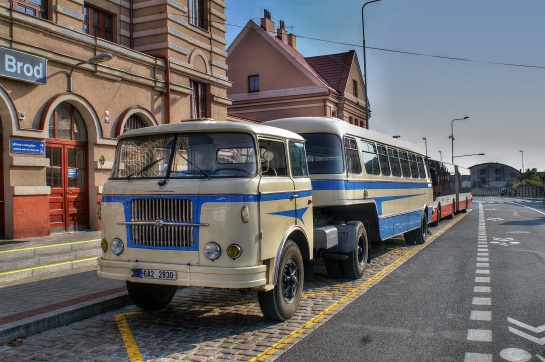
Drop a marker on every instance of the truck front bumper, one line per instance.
(187, 275)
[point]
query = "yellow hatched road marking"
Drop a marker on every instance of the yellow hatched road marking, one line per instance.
(47, 266)
(48, 246)
(130, 344)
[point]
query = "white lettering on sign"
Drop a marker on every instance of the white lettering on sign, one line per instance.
(13, 66)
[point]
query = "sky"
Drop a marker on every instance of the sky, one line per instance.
(484, 59)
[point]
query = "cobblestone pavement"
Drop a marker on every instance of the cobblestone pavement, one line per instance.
(210, 324)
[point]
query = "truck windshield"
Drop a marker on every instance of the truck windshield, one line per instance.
(324, 153)
(195, 155)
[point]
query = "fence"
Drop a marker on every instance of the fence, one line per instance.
(522, 191)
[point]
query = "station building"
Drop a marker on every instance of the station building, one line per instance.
(74, 74)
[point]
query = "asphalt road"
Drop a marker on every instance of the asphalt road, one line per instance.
(475, 294)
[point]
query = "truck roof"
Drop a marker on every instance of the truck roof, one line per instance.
(210, 125)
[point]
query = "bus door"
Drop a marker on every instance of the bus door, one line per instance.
(277, 197)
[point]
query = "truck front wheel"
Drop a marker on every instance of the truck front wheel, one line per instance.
(283, 300)
(151, 296)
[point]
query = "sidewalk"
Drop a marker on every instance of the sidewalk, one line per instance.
(36, 304)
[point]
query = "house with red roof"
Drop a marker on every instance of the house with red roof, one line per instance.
(271, 79)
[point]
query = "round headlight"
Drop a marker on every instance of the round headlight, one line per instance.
(234, 251)
(117, 247)
(245, 214)
(212, 250)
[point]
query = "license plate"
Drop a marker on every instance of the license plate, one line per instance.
(157, 274)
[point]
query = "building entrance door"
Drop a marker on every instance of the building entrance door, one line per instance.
(67, 174)
(69, 199)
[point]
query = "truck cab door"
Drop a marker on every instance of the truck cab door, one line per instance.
(277, 196)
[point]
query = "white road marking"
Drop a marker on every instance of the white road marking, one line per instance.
(483, 259)
(481, 315)
(482, 271)
(477, 357)
(482, 280)
(483, 265)
(479, 335)
(515, 355)
(538, 330)
(481, 301)
(481, 289)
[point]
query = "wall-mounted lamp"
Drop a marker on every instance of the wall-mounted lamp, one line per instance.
(102, 57)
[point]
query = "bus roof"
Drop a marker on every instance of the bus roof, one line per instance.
(210, 125)
(302, 125)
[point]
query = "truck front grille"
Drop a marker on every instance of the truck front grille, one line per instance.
(165, 210)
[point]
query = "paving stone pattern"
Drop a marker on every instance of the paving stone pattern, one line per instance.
(204, 324)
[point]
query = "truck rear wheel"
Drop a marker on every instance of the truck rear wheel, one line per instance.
(283, 300)
(356, 263)
(151, 296)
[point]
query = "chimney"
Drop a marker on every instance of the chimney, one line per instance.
(292, 40)
(281, 32)
(266, 22)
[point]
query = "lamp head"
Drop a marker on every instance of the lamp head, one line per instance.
(99, 58)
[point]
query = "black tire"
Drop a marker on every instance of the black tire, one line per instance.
(436, 223)
(418, 235)
(451, 216)
(283, 300)
(356, 263)
(334, 268)
(465, 209)
(151, 296)
(421, 233)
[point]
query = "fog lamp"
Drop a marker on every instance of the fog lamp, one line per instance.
(212, 250)
(234, 251)
(104, 245)
(117, 247)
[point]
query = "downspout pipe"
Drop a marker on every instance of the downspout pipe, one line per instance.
(167, 80)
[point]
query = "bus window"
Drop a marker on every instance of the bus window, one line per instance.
(352, 156)
(370, 158)
(405, 169)
(298, 159)
(413, 166)
(383, 159)
(394, 162)
(324, 153)
(421, 167)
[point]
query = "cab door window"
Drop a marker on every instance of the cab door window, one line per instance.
(273, 158)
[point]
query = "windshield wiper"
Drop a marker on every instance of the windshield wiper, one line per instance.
(145, 168)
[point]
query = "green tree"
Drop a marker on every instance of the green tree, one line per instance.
(531, 178)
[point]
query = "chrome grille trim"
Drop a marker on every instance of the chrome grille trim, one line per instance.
(162, 222)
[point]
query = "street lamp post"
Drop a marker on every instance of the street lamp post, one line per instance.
(522, 152)
(426, 145)
(441, 156)
(364, 64)
(452, 134)
(99, 58)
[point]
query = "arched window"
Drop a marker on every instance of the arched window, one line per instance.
(134, 122)
(66, 123)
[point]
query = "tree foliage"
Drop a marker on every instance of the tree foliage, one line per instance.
(531, 178)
